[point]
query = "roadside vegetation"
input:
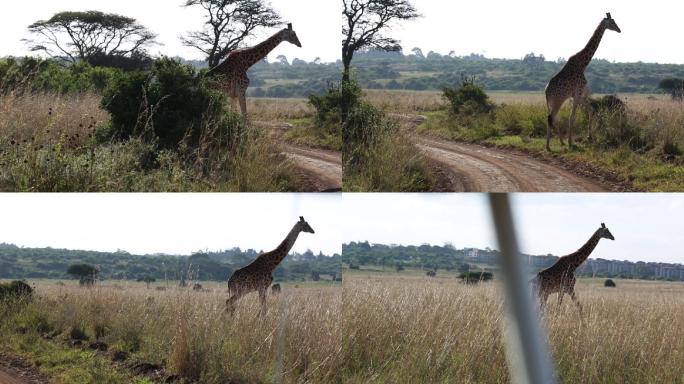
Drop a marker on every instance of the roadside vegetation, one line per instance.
(125, 332)
(83, 128)
(640, 142)
(377, 155)
(630, 334)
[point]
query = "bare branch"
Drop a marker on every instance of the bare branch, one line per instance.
(227, 24)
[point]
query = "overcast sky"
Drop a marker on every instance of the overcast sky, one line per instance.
(169, 223)
(510, 29)
(647, 227)
(317, 24)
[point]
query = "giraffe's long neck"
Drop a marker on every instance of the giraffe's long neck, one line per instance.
(261, 50)
(586, 54)
(284, 248)
(582, 254)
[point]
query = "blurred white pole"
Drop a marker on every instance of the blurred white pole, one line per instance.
(526, 347)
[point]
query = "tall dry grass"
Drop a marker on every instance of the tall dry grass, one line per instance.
(418, 330)
(43, 118)
(51, 142)
(190, 333)
(279, 110)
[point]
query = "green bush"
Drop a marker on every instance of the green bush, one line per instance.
(336, 103)
(169, 104)
(525, 120)
(476, 277)
(15, 290)
(35, 75)
(468, 99)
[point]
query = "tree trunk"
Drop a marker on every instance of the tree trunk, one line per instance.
(346, 61)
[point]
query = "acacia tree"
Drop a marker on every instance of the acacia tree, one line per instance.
(227, 24)
(675, 87)
(85, 273)
(364, 24)
(82, 36)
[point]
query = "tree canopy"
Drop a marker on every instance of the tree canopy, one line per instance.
(86, 35)
(84, 272)
(227, 24)
(365, 22)
(674, 87)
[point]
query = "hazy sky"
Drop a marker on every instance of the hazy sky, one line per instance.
(169, 223)
(647, 227)
(556, 29)
(317, 24)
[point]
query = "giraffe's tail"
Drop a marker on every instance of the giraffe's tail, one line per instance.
(550, 120)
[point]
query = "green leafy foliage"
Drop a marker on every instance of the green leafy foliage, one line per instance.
(37, 75)
(49, 263)
(16, 290)
(171, 103)
(468, 99)
(476, 277)
(86, 274)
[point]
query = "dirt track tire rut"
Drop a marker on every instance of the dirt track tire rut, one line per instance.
(481, 169)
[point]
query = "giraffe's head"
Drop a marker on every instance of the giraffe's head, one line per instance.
(605, 233)
(304, 226)
(290, 36)
(610, 24)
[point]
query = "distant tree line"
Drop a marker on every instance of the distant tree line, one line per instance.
(396, 70)
(86, 266)
(448, 258)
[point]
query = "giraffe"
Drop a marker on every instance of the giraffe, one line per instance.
(560, 277)
(571, 83)
(234, 67)
(257, 276)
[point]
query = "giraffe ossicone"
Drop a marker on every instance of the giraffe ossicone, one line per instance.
(234, 68)
(560, 277)
(258, 275)
(570, 82)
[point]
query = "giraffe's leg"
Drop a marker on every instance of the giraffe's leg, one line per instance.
(549, 128)
(230, 303)
(542, 301)
(243, 102)
(233, 104)
(262, 299)
(575, 299)
(560, 299)
(554, 107)
(575, 103)
(590, 114)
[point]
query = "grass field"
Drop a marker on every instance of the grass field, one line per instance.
(436, 330)
(50, 142)
(187, 332)
(644, 148)
(378, 327)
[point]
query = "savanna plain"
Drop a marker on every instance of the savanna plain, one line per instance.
(92, 129)
(377, 327)
(635, 144)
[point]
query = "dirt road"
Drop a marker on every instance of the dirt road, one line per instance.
(475, 168)
(321, 169)
(14, 370)
(324, 167)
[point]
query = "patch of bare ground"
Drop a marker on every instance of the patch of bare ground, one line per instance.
(15, 370)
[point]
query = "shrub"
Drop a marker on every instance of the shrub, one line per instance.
(15, 290)
(169, 104)
(36, 75)
(475, 277)
(468, 99)
(336, 103)
(525, 120)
